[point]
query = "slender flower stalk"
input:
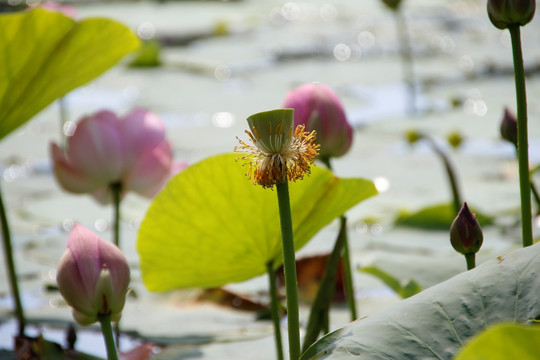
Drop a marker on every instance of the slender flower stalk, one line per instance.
(274, 308)
(318, 317)
(278, 156)
(346, 257)
(413, 137)
(106, 329)
(289, 268)
(406, 59)
(523, 146)
(11, 270)
(116, 192)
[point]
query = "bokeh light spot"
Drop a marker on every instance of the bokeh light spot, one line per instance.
(146, 31)
(342, 52)
(223, 120)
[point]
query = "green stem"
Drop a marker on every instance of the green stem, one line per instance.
(534, 190)
(63, 119)
(106, 329)
(318, 316)
(10, 264)
(347, 270)
(523, 146)
(406, 59)
(450, 172)
(289, 265)
(274, 308)
(536, 196)
(471, 261)
(116, 189)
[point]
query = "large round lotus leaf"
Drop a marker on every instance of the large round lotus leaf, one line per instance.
(211, 226)
(503, 342)
(436, 323)
(44, 55)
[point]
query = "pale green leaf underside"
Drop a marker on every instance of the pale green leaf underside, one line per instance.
(44, 55)
(436, 323)
(211, 226)
(504, 342)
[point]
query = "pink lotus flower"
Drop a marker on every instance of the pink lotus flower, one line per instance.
(318, 108)
(92, 276)
(105, 150)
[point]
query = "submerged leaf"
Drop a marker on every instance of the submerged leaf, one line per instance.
(406, 289)
(436, 323)
(211, 226)
(47, 54)
(437, 217)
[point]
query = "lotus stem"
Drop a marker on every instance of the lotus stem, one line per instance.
(450, 172)
(106, 329)
(471, 261)
(318, 317)
(289, 266)
(10, 265)
(523, 146)
(405, 52)
(116, 190)
(347, 270)
(274, 308)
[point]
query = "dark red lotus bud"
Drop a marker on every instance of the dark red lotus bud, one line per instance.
(465, 233)
(509, 127)
(503, 13)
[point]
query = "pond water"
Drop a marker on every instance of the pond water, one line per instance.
(205, 90)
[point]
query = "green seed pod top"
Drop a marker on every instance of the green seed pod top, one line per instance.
(272, 130)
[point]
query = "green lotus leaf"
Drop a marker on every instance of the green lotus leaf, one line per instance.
(437, 217)
(211, 226)
(438, 322)
(503, 342)
(45, 55)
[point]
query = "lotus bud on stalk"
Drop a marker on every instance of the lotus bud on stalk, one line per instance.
(466, 235)
(504, 13)
(509, 130)
(92, 276)
(318, 108)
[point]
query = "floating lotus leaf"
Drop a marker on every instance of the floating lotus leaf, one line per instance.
(211, 226)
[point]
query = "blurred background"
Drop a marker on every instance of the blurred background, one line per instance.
(207, 65)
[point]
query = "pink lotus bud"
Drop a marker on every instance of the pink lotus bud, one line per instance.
(465, 233)
(106, 149)
(92, 276)
(509, 127)
(318, 108)
(503, 13)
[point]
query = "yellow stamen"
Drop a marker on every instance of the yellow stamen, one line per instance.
(289, 164)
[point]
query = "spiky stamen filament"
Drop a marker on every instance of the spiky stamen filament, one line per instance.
(291, 162)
